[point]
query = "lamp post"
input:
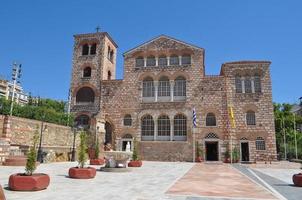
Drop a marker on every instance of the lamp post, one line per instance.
(16, 74)
(43, 128)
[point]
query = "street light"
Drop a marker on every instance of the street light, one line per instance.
(43, 128)
(76, 127)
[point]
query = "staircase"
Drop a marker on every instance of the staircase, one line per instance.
(16, 157)
(4, 150)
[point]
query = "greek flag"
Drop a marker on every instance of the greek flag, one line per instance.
(194, 118)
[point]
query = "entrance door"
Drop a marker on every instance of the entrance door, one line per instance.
(212, 151)
(245, 155)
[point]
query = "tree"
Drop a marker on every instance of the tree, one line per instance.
(135, 153)
(97, 149)
(32, 155)
(82, 153)
(284, 126)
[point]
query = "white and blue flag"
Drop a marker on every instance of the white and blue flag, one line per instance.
(194, 118)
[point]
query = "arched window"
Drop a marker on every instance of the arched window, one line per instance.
(164, 87)
(127, 120)
(151, 61)
(163, 128)
(186, 60)
(87, 72)
(147, 128)
(111, 55)
(257, 83)
(248, 84)
(82, 120)
(238, 84)
(174, 60)
(109, 75)
(260, 143)
(139, 62)
(180, 127)
(148, 87)
(85, 49)
(162, 61)
(250, 118)
(210, 119)
(180, 87)
(93, 49)
(85, 95)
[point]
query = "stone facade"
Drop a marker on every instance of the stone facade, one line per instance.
(215, 94)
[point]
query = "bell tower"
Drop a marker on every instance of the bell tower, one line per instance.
(94, 60)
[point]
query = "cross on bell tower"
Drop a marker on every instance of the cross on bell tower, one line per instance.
(98, 28)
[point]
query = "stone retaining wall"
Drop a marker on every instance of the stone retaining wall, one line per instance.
(19, 132)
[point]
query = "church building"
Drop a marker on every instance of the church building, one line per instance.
(164, 80)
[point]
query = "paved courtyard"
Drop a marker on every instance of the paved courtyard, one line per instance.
(154, 181)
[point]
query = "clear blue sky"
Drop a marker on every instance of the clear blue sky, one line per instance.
(39, 34)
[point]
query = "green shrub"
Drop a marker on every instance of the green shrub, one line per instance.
(135, 154)
(32, 155)
(82, 153)
(199, 152)
(235, 154)
(97, 149)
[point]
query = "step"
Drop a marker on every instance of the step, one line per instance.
(15, 161)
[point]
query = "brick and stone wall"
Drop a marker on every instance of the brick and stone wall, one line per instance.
(55, 138)
(206, 93)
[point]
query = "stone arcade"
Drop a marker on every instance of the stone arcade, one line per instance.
(164, 79)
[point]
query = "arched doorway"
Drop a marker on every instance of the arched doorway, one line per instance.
(108, 133)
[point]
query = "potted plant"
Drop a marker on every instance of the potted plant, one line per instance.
(199, 153)
(82, 172)
(297, 179)
(235, 155)
(29, 181)
(2, 193)
(227, 156)
(135, 162)
(96, 160)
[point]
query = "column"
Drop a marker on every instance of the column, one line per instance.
(155, 129)
(145, 62)
(242, 85)
(179, 57)
(155, 90)
(171, 128)
(253, 85)
(168, 61)
(89, 48)
(156, 61)
(172, 89)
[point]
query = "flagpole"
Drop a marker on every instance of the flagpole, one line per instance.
(193, 134)
(193, 143)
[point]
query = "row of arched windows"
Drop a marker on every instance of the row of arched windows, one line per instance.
(89, 49)
(248, 84)
(164, 88)
(163, 128)
(163, 60)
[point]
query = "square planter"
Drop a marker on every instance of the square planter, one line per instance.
(297, 179)
(22, 182)
(82, 173)
(135, 163)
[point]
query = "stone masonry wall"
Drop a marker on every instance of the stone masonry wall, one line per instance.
(56, 137)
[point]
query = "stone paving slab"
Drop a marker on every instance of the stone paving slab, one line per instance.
(149, 182)
(221, 181)
(281, 180)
